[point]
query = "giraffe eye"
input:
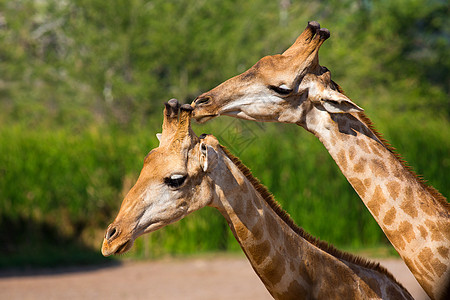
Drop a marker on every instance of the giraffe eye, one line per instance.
(175, 181)
(282, 89)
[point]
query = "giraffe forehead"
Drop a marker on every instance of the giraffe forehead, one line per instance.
(164, 162)
(275, 67)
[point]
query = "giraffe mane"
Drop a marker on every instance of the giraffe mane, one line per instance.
(434, 192)
(276, 207)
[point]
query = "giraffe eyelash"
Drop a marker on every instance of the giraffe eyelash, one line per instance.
(282, 89)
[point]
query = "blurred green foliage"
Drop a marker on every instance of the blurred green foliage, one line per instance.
(81, 90)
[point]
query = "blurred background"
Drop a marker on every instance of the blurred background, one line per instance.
(82, 86)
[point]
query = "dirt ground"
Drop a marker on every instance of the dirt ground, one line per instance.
(195, 278)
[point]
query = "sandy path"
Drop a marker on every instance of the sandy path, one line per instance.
(199, 278)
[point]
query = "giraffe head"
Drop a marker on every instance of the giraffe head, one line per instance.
(278, 88)
(173, 182)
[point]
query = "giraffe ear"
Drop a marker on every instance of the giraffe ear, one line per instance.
(335, 102)
(158, 136)
(208, 156)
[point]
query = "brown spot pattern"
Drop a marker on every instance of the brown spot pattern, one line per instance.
(257, 230)
(393, 188)
(358, 185)
(396, 238)
(445, 230)
(389, 217)
(409, 195)
(436, 235)
(351, 153)
(362, 145)
(241, 231)
(423, 232)
(360, 166)
(430, 263)
(408, 208)
(439, 267)
(272, 227)
(422, 271)
(377, 200)
(378, 168)
(294, 291)
(291, 249)
(443, 251)
(425, 204)
(342, 160)
(406, 230)
(274, 270)
(259, 252)
(376, 148)
(424, 257)
(397, 169)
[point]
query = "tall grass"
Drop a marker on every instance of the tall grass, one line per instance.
(58, 188)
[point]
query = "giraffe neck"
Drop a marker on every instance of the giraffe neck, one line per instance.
(414, 217)
(290, 262)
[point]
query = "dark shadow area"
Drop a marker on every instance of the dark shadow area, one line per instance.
(57, 270)
(28, 248)
(350, 125)
(343, 120)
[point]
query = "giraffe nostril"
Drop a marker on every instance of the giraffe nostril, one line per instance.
(202, 100)
(111, 233)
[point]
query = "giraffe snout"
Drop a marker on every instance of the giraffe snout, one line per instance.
(115, 241)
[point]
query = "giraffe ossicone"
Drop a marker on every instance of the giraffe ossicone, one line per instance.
(186, 173)
(414, 216)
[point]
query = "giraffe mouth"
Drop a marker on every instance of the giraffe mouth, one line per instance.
(124, 247)
(205, 118)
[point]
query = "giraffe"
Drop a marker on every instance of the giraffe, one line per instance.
(294, 88)
(186, 173)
